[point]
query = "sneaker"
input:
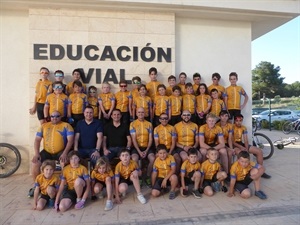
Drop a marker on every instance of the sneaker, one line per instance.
(216, 186)
(51, 203)
(108, 205)
(101, 195)
(79, 205)
(141, 198)
(266, 176)
(260, 194)
(31, 192)
(172, 195)
(201, 190)
(196, 194)
(224, 189)
(184, 193)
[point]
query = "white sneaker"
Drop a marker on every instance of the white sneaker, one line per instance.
(108, 205)
(141, 198)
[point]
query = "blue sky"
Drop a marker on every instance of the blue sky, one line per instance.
(280, 47)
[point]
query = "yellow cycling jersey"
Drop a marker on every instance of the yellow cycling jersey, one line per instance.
(226, 130)
(95, 175)
(202, 102)
(162, 104)
(216, 106)
(210, 135)
(135, 93)
(123, 171)
(195, 88)
(189, 103)
(220, 88)
(238, 172)
(186, 133)
(106, 100)
(209, 169)
(176, 105)
(43, 183)
(233, 94)
(238, 133)
(188, 167)
(182, 87)
(71, 174)
(152, 89)
(164, 134)
(58, 103)
(143, 102)
(70, 90)
(122, 100)
(41, 90)
(169, 91)
(78, 102)
(142, 130)
(163, 167)
(55, 136)
(93, 102)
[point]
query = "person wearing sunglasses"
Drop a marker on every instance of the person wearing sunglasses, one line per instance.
(58, 76)
(58, 139)
(122, 101)
(56, 101)
(215, 77)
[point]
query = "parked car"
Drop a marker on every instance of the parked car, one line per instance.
(256, 111)
(276, 114)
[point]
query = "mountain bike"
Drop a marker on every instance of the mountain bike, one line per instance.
(10, 159)
(284, 142)
(289, 126)
(263, 142)
(256, 124)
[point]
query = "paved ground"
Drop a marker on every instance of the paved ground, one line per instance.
(281, 207)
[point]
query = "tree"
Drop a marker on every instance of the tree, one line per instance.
(266, 79)
(292, 89)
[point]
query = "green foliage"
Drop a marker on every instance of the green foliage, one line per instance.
(277, 99)
(277, 125)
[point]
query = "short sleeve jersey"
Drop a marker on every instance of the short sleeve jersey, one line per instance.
(238, 172)
(189, 103)
(182, 87)
(163, 167)
(106, 100)
(169, 91)
(188, 167)
(216, 106)
(186, 133)
(135, 93)
(93, 102)
(58, 103)
(220, 88)
(95, 175)
(238, 133)
(55, 136)
(43, 183)
(162, 104)
(79, 102)
(209, 169)
(122, 100)
(195, 88)
(226, 130)
(233, 94)
(210, 135)
(202, 102)
(70, 90)
(41, 90)
(143, 102)
(176, 105)
(164, 134)
(71, 174)
(152, 89)
(123, 171)
(141, 129)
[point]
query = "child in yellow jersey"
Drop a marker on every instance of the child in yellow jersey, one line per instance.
(212, 176)
(190, 173)
(75, 185)
(172, 83)
(122, 101)
(203, 103)
(136, 82)
(182, 78)
(77, 103)
(197, 81)
(189, 101)
(46, 186)
(242, 173)
(57, 101)
(142, 101)
(176, 105)
(93, 101)
(215, 84)
(161, 104)
(76, 75)
(107, 102)
(102, 176)
(217, 104)
(163, 173)
(58, 76)
(152, 85)
(127, 172)
(41, 90)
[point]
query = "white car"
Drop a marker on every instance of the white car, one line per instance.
(276, 114)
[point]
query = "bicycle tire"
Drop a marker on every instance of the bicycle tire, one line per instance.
(10, 160)
(287, 127)
(263, 142)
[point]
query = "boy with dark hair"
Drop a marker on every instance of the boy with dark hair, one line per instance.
(176, 105)
(172, 83)
(215, 84)
(152, 85)
(189, 101)
(242, 173)
(197, 81)
(182, 78)
(161, 104)
(77, 74)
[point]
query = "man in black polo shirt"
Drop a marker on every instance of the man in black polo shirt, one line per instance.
(88, 136)
(116, 136)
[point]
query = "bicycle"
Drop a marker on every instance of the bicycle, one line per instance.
(284, 142)
(10, 159)
(263, 142)
(256, 124)
(289, 126)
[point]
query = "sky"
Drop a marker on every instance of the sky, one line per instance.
(281, 47)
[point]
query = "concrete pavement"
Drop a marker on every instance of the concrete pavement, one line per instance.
(281, 207)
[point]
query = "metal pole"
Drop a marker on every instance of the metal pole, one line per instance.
(269, 114)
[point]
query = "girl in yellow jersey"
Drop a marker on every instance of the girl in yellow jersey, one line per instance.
(203, 103)
(142, 101)
(107, 102)
(161, 104)
(122, 101)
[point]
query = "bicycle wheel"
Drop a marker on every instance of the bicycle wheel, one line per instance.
(264, 143)
(287, 127)
(10, 159)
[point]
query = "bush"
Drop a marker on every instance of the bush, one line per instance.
(277, 125)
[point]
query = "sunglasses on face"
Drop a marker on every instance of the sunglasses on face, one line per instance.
(163, 118)
(92, 91)
(59, 75)
(136, 82)
(58, 87)
(122, 86)
(186, 114)
(55, 116)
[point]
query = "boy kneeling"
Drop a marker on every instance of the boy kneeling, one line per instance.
(242, 173)
(163, 173)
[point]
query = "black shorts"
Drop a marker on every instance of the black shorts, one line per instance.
(158, 182)
(40, 111)
(100, 182)
(242, 144)
(46, 197)
(70, 194)
(46, 155)
(127, 181)
(208, 182)
(188, 178)
(134, 151)
(243, 184)
(234, 112)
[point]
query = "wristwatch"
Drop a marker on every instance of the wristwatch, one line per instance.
(98, 150)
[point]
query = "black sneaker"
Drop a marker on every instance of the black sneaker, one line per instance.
(224, 189)
(201, 191)
(266, 176)
(260, 194)
(184, 193)
(196, 194)
(31, 192)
